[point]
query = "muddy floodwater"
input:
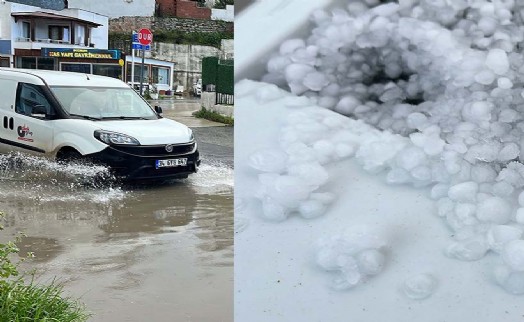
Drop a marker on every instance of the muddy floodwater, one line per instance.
(130, 253)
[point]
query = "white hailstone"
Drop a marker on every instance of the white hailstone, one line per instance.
(439, 190)
(324, 147)
(511, 281)
(347, 104)
(268, 160)
(327, 258)
(398, 176)
(421, 173)
(464, 192)
(485, 77)
(497, 61)
(311, 209)
(513, 255)
(290, 45)
(324, 197)
(297, 72)
(343, 150)
(315, 81)
(274, 211)
(371, 261)
(410, 158)
(277, 64)
(477, 111)
(498, 236)
(502, 189)
(420, 286)
(483, 173)
(289, 191)
(445, 206)
(487, 25)
(519, 217)
(509, 116)
(504, 83)
(509, 152)
(494, 210)
(417, 121)
(470, 249)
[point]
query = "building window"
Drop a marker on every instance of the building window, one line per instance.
(26, 62)
(59, 33)
(46, 63)
(4, 62)
(137, 73)
(26, 30)
(113, 70)
(160, 75)
(78, 68)
(35, 63)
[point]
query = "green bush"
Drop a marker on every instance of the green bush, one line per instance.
(214, 116)
(29, 302)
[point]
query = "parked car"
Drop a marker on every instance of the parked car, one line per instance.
(197, 87)
(75, 117)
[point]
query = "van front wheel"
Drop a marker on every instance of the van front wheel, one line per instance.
(69, 156)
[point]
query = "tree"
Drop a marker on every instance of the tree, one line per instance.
(221, 4)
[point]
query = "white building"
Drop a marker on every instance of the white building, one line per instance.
(227, 14)
(71, 40)
(156, 72)
(115, 9)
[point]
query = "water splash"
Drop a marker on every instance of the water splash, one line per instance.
(213, 175)
(43, 180)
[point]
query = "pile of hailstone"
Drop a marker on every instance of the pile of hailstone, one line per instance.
(355, 256)
(448, 75)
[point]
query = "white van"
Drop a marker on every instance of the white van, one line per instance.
(74, 116)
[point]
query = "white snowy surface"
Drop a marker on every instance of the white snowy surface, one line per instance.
(277, 277)
(433, 94)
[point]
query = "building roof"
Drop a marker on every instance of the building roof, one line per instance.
(51, 16)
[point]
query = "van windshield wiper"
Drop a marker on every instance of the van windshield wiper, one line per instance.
(87, 117)
(124, 118)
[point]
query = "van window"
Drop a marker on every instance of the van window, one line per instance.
(30, 99)
(103, 103)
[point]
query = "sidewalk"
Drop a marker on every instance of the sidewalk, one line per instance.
(181, 110)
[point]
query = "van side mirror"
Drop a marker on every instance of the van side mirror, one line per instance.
(158, 109)
(39, 109)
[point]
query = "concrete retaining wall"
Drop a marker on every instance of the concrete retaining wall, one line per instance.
(208, 100)
(126, 24)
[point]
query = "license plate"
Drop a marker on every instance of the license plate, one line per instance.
(171, 163)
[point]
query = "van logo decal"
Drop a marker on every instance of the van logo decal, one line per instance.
(24, 132)
(169, 148)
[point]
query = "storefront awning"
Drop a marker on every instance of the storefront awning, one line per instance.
(51, 16)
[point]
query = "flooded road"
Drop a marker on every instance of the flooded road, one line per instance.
(156, 253)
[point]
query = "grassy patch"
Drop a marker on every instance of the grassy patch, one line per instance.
(214, 116)
(30, 302)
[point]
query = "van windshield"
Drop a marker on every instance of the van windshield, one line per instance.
(100, 103)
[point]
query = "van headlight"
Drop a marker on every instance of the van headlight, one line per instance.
(191, 136)
(113, 138)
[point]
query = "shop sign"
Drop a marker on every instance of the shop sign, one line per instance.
(80, 53)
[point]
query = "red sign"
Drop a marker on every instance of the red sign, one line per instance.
(145, 36)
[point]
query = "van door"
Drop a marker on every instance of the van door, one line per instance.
(30, 122)
(7, 106)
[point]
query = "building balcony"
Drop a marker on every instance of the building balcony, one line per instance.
(26, 43)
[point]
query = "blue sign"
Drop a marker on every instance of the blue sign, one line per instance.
(138, 45)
